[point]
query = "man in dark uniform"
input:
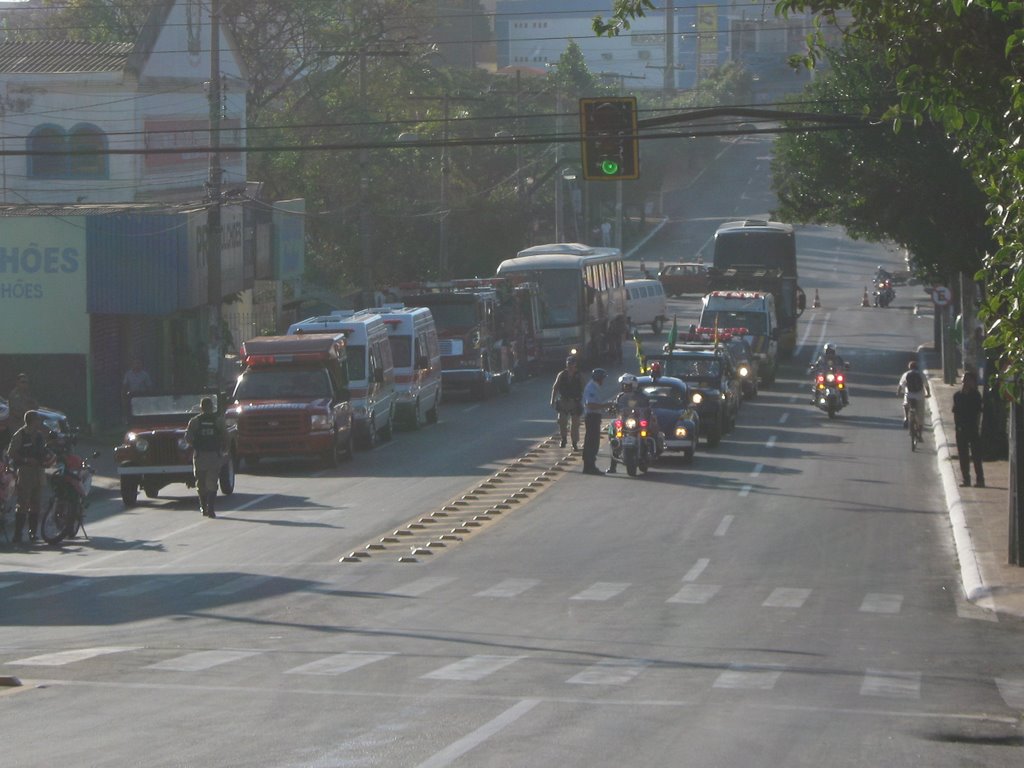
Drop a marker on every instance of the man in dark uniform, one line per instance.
(207, 434)
(30, 454)
(967, 406)
(567, 400)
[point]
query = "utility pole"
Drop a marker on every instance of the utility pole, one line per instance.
(213, 212)
(366, 256)
(442, 259)
(669, 86)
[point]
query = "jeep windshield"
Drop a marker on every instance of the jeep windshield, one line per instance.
(169, 405)
(692, 368)
(283, 384)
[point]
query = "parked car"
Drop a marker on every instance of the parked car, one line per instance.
(678, 419)
(154, 452)
(679, 279)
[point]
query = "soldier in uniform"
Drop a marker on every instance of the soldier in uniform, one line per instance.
(207, 434)
(30, 454)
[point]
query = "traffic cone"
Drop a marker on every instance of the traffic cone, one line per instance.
(817, 300)
(865, 302)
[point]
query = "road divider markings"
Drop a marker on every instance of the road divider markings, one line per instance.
(454, 751)
(771, 442)
(786, 597)
(757, 470)
(695, 594)
(339, 663)
(877, 602)
(56, 589)
(473, 668)
(891, 685)
(750, 678)
(61, 658)
(421, 586)
(509, 588)
(698, 568)
(200, 660)
(430, 535)
(602, 590)
(783, 418)
(745, 490)
(610, 672)
(723, 526)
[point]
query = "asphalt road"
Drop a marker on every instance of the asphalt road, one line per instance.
(790, 599)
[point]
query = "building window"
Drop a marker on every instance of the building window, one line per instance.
(77, 154)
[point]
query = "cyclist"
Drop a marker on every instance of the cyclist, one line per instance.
(914, 388)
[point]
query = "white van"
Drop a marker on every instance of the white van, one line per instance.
(646, 304)
(754, 313)
(417, 358)
(371, 370)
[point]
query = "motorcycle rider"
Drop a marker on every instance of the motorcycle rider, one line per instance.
(913, 386)
(30, 453)
(207, 434)
(567, 400)
(829, 359)
(631, 398)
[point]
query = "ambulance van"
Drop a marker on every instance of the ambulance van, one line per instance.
(417, 358)
(371, 371)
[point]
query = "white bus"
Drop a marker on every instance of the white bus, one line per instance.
(582, 298)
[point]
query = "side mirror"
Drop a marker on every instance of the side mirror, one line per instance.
(801, 301)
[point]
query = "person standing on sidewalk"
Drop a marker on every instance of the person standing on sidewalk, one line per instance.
(593, 406)
(567, 400)
(967, 407)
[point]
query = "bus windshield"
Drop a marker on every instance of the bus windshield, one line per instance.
(764, 248)
(559, 297)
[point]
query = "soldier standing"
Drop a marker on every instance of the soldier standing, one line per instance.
(207, 434)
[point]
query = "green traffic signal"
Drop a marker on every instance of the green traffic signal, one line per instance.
(609, 144)
(609, 167)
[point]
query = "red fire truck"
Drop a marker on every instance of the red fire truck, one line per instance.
(486, 329)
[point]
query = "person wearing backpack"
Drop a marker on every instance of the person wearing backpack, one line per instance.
(914, 388)
(207, 434)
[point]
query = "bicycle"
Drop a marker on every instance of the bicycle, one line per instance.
(915, 420)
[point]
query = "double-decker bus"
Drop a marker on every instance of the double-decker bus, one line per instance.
(582, 299)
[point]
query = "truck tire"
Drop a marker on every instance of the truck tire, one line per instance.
(129, 491)
(227, 475)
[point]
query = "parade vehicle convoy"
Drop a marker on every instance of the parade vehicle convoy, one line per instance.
(371, 368)
(292, 399)
(154, 452)
(712, 381)
(417, 358)
(678, 419)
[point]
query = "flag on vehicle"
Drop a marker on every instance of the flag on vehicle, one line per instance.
(639, 351)
(674, 333)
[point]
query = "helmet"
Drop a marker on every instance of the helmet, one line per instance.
(655, 370)
(598, 374)
(830, 348)
(912, 365)
(627, 382)
(570, 360)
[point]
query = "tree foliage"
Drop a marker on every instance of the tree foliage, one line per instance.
(961, 64)
(908, 187)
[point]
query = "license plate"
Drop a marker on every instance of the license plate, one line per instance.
(629, 441)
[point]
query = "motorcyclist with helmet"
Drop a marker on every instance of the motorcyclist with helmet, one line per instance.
(830, 359)
(632, 398)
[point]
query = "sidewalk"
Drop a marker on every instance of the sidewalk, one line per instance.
(979, 516)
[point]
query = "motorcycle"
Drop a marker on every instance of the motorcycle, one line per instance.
(8, 494)
(828, 391)
(70, 483)
(633, 442)
(884, 292)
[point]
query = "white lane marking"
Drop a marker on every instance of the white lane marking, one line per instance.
(56, 589)
(610, 672)
(509, 588)
(252, 503)
(200, 660)
(339, 663)
(741, 677)
(877, 602)
(602, 590)
(144, 585)
(454, 751)
(786, 597)
(60, 658)
(892, 685)
(234, 586)
(745, 490)
(771, 442)
(473, 668)
(783, 418)
(758, 468)
(724, 525)
(694, 594)
(6, 584)
(469, 408)
(1012, 691)
(698, 568)
(421, 586)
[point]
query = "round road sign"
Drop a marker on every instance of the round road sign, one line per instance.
(941, 295)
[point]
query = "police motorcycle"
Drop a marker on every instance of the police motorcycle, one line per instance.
(633, 434)
(70, 482)
(884, 293)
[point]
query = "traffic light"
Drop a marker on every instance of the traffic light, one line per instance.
(610, 148)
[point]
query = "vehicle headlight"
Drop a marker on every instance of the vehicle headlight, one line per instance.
(830, 377)
(723, 395)
(141, 444)
(183, 444)
(321, 421)
(698, 398)
(681, 432)
(744, 371)
(631, 423)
